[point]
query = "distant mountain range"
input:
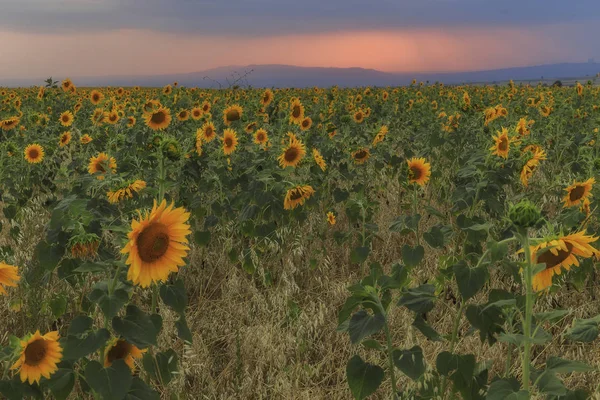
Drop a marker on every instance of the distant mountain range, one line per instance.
(292, 76)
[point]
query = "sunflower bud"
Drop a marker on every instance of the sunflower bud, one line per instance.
(524, 214)
(171, 149)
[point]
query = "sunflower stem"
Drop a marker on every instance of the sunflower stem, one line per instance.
(415, 213)
(528, 308)
(161, 178)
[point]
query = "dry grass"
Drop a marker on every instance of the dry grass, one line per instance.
(259, 340)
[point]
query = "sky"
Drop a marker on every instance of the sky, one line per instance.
(39, 38)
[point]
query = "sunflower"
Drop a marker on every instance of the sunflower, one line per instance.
(560, 253)
(380, 135)
(232, 114)
(183, 115)
(157, 244)
(196, 113)
(293, 153)
(501, 146)
(120, 91)
(306, 124)
(168, 89)
(125, 192)
(131, 121)
(578, 192)
(39, 357)
(331, 218)
(151, 106)
(66, 85)
(261, 137)
(230, 141)
(267, 98)
(545, 110)
(250, 127)
(359, 116)
(98, 116)
(532, 164)
(120, 349)
(207, 132)
(9, 123)
(9, 276)
(158, 119)
(296, 112)
(65, 139)
(66, 118)
(99, 164)
(85, 139)
(319, 159)
(96, 97)
(206, 107)
(419, 171)
(297, 196)
(361, 155)
(34, 153)
(112, 117)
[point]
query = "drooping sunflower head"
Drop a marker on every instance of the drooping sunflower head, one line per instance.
(65, 139)
(66, 85)
(158, 119)
(361, 156)
(297, 196)
(578, 192)
(10, 123)
(331, 218)
(34, 153)
(232, 113)
(230, 141)
(120, 349)
(319, 160)
(85, 139)
(250, 127)
(157, 244)
(66, 118)
(293, 153)
(419, 171)
(39, 357)
(100, 164)
(558, 254)
(9, 276)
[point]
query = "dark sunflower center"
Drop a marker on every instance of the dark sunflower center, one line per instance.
(113, 117)
(305, 123)
(205, 108)
(296, 194)
(196, 113)
(359, 116)
(233, 115)
(577, 193)
(34, 153)
(153, 242)
(228, 142)
(296, 111)
(64, 139)
(159, 117)
(503, 144)
(260, 137)
(416, 172)
(182, 114)
(95, 97)
(552, 260)
(266, 98)
(65, 118)
(35, 352)
(291, 154)
(119, 351)
(209, 132)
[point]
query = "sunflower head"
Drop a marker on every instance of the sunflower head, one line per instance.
(9, 276)
(120, 349)
(231, 114)
(158, 119)
(39, 357)
(34, 153)
(230, 141)
(361, 156)
(66, 118)
(524, 214)
(578, 192)
(419, 171)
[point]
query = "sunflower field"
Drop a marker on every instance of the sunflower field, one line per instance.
(420, 242)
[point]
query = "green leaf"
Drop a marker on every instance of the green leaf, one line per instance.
(79, 325)
(435, 237)
(552, 316)
(183, 331)
(137, 327)
(562, 366)
(584, 330)
(48, 255)
(359, 255)
(14, 389)
(363, 378)
(469, 280)
(497, 250)
(372, 344)
(351, 303)
(61, 383)
(174, 296)
(420, 299)
(248, 264)
(410, 362)
(426, 329)
(548, 383)
(58, 305)
(489, 321)
(162, 367)
(202, 238)
(111, 383)
(506, 389)
(363, 324)
(110, 304)
(412, 256)
(75, 348)
(140, 391)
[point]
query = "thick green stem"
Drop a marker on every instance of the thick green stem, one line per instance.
(453, 340)
(390, 351)
(161, 178)
(415, 200)
(528, 271)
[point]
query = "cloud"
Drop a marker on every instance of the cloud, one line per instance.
(281, 17)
